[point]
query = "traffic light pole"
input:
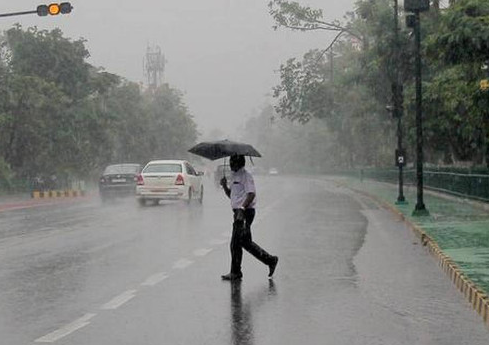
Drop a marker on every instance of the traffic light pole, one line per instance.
(400, 198)
(420, 208)
(52, 9)
(16, 13)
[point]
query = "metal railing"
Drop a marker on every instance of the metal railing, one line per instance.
(474, 186)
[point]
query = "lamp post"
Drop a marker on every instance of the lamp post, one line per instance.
(417, 6)
(398, 111)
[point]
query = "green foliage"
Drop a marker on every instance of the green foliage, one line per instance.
(292, 14)
(5, 172)
(303, 93)
(60, 115)
(457, 48)
(463, 35)
(51, 57)
(349, 93)
(351, 98)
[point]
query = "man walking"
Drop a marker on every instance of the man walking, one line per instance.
(243, 199)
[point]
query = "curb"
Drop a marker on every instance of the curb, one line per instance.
(68, 193)
(474, 295)
(39, 202)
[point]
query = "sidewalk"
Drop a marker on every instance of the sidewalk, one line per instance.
(460, 228)
(456, 233)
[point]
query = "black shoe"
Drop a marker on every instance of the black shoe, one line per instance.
(232, 276)
(273, 265)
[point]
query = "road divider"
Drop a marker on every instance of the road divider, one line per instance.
(67, 193)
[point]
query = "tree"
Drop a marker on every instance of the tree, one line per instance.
(463, 33)
(60, 115)
(458, 49)
(51, 57)
(352, 103)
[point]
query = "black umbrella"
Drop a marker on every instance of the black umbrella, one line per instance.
(223, 148)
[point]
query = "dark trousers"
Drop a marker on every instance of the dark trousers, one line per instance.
(241, 238)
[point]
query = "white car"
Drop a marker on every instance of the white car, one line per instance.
(169, 180)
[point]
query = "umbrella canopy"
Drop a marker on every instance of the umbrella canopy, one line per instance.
(223, 148)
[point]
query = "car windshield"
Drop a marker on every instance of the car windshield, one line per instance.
(121, 169)
(163, 168)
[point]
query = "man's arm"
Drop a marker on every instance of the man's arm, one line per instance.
(249, 199)
(249, 185)
(224, 185)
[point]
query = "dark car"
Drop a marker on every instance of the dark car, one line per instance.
(119, 179)
(221, 171)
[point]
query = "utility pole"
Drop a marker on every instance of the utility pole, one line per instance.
(420, 208)
(417, 6)
(398, 111)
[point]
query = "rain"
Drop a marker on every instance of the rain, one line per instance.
(244, 172)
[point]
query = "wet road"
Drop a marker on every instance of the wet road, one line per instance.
(116, 273)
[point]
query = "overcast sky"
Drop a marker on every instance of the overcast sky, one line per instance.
(223, 54)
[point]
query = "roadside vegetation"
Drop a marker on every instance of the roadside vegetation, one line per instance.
(340, 103)
(60, 115)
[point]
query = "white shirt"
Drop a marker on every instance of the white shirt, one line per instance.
(241, 183)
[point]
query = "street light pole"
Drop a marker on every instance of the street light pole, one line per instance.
(420, 208)
(398, 105)
(413, 21)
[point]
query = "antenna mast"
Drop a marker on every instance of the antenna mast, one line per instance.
(154, 66)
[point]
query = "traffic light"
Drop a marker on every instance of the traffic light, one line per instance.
(54, 9)
(400, 158)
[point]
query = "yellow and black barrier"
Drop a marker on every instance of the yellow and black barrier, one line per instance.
(67, 193)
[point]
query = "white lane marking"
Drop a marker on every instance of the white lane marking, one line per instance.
(218, 242)
(155, 279)
(117, 301)
(66, 330)
(182, 263)
(202, 251)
